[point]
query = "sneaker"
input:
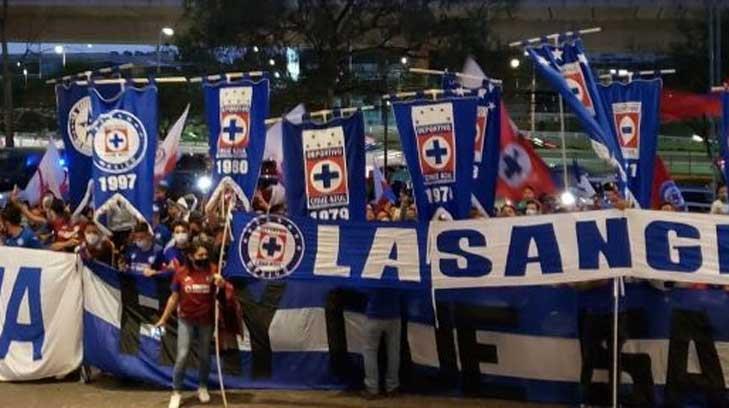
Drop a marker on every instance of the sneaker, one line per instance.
(175, 400)
(369, 396)
(202, 395)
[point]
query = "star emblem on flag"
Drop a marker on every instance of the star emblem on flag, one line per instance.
(557, 54)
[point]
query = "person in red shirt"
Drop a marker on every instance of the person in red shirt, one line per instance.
(193, 290)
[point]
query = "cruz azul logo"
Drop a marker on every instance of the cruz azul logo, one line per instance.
(325, 165)
(120, 141)
(77, 126)
(436, 142)
(235, 121)
(271, 247)
(626, 116)
(575, 78)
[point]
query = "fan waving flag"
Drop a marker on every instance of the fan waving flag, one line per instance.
(520, 166)
(383, 191)
(324, 168)
(168, 152)
(566, 68)
(124, 135)
(437, 139)
(73, 106)
(634, 109)
(236, 114)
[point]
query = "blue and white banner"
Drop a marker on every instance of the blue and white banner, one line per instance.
(331, 158)
(634, 109)
(236, 114)
(73, 106)
(566, 68)
(548, 249)
(40, 314)
(273, 247)
(437, 138)
(124, 134)
(547, 344)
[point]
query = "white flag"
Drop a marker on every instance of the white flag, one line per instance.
(274, 147)
(168, 152)
(49, 177)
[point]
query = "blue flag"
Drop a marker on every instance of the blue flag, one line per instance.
(724, 139)
(567, 70)
(331, 158)
(74, 113)
(236, 114)
(124, 134)
(437, 139)
(487, 145)
(634, 109)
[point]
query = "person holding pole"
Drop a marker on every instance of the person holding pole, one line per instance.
(193, 290)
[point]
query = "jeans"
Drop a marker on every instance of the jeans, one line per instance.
(185, 331)
(374, 328)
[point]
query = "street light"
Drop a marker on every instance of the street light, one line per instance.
(255, 48)
(61, 50)
(514, 63)
(404, 60)
(169, 32)
(697, 138)
(25, 74)
(271, 62)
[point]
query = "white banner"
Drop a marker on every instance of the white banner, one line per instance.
(40, 314)
(529, 250)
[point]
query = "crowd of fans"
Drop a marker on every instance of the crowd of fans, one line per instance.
(153, 249)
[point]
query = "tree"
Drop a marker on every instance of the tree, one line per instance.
(331, 34)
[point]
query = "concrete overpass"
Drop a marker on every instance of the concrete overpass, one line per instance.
(629, 25)
(91, 21)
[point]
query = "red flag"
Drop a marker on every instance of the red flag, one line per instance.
(681, 105)
(664, 189)
(520, 166)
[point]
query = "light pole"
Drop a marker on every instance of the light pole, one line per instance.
(61, 50)
(168, 32)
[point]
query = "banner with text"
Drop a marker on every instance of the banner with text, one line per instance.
(40, 314)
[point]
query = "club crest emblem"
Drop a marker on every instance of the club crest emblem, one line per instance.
(575, 78)
(626, 117)
(119, 140)
(515, 166)
(235, 121)
(434, 131)
(271, 247)
(325, 164)
(77, 126)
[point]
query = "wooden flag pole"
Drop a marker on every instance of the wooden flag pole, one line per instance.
(229, 76)
(89, 73)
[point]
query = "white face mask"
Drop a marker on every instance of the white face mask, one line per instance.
(181, 238)
(92, 239)
(531, 211)
(143, 244)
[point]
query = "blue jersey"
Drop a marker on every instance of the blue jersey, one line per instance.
(26, 239)
(162, 235)
(173, 253)
(138, 259)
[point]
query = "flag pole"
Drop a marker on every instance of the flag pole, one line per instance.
(89, 73)
(229, 76)
(226, 226)
(425, 71)
(555, 36)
